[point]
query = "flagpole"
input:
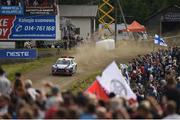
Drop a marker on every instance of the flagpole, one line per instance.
(161, 26)
(123, 16)
(153, 45)
(116, 20)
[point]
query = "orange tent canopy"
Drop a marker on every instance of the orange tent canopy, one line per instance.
(135, 27)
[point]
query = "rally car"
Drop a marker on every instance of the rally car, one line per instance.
(64, 66)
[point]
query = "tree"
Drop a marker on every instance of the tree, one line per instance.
(139, 9)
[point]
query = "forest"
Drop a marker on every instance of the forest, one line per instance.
(133, 9)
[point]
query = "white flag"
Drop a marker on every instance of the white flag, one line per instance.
(112, 80)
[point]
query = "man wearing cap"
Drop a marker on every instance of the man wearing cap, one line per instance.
(55, 98)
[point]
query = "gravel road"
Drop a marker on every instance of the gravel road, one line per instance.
(90, 60)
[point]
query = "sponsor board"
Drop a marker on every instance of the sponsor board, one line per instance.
(40, 7)
(18, 54)
(171, 17)
(7, 45)
(39, 27)
(41, 11)
(11, 10)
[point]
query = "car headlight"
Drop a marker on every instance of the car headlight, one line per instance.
(54, 66)
(70, 67)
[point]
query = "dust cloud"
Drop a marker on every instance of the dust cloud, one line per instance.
(91, 60)
(90, 56)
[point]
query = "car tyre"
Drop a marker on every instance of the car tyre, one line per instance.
(53, 74)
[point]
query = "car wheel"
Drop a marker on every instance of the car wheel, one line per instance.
(53, 74)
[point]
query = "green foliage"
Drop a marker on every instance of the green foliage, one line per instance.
(141, 9)
(135, 9)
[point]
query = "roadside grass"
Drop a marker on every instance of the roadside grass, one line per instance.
(83, 84)
(26, 67)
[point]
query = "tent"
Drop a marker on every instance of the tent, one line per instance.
(135, 27)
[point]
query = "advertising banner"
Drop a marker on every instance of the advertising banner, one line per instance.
(40, 7)
(172, 17)
(41, 27)
(11, 10)
(41, 11)
(18, 54)
(7, 45)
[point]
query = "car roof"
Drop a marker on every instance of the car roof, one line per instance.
(65, 59)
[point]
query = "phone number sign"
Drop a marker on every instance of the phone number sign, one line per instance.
(28, 27)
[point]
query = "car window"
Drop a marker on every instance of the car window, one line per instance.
(63, 62)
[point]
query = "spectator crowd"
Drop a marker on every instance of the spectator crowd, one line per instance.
(154, 78)
(39, 3)
(10, 2)
(72, 41)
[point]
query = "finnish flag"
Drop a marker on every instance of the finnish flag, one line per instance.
(159, 41)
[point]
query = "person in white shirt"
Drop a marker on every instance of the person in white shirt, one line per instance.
(171, 111)
(8, 2)
(30, 90)
(35, 3)
(5, 85)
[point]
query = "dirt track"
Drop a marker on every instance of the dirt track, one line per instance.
(90, 60)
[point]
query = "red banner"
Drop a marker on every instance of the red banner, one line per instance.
(6, 24)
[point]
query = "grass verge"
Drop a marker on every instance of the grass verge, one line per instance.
(82, 85)
(26, 67)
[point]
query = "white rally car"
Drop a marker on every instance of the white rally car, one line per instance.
(65, 66)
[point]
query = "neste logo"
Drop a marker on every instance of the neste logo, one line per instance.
(17, 54)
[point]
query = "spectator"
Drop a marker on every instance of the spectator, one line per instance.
(28, 45)
(178, 83)
(27, 3)
(154, 78)
(90, 112)
(26, 113)
(30, 90)
(54, 99)
(58, 50)
(171, 111)
(9, 2)
(88, 37)
(35, 3)
(171, 88)
(50, 3)
(18, 84)
(5, 85)
(30, 2)
(4, 104)
(65, 43)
